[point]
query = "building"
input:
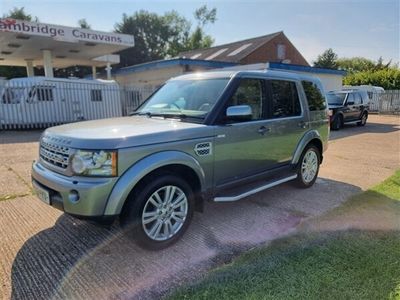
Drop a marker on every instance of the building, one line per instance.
(155, 73)
(330, 79)
(33, 44)
(272, 51)
(274, 47)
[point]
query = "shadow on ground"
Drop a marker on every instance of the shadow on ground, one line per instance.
(352, 252)
(75, 259)
(352, 129)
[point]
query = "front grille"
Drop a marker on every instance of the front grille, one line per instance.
(54, 154)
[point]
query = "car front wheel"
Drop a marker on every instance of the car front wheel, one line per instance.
(161, 212)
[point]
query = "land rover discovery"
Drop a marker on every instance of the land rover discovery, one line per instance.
(214, 136)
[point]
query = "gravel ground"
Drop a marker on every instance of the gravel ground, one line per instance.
(47, 254)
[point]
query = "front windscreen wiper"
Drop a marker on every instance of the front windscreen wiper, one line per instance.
(167, 115)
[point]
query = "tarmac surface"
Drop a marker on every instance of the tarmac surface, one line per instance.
(47, 254)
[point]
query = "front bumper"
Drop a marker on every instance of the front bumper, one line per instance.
(93, 192)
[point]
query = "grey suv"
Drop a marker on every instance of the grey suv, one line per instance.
(214, 136)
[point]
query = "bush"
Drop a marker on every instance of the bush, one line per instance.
(389, 79)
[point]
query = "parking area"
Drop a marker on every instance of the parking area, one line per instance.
(45, 253)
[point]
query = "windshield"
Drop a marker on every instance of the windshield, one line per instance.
(336, 98)
(185, 98)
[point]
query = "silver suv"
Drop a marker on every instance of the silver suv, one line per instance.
(214, 136)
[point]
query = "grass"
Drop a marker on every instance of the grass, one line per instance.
(353, 252)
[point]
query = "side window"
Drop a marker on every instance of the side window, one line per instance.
(315, 99)
(95, 95)
(358, 99)
(44, 94)
(285, 99)
(350, 99)
(250, 92)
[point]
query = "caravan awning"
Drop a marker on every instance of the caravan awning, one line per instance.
(22, 41)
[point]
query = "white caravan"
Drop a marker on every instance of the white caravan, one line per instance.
(41, 101)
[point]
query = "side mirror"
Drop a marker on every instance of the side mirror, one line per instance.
(239, 112)
(350, 103)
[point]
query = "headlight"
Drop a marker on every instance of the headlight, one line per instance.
(95, 163)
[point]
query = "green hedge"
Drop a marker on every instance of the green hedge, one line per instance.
(389, 79)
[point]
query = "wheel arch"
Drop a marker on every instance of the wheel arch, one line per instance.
(311, 137)
(168, 161)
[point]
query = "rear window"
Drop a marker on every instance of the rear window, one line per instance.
(315, 99)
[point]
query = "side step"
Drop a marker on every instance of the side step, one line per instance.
(254, 190)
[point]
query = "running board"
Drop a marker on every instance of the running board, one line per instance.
(254, 191)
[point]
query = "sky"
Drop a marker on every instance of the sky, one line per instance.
(369, 28)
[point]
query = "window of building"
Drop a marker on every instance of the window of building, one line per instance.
(285, 99)
(315, 98)
(281, 51)
(250, 92)
(95, 95)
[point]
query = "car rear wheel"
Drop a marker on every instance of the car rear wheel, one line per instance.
(308, 167)
(363, 120)
(161, 212)
(337, 122)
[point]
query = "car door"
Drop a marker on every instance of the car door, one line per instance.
(358, 106)
(287, 120)
(241, 146)
(350, 109)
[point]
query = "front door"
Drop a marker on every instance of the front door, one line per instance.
(267, 140)
(240, 144)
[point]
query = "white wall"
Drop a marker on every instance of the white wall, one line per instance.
(330, 82)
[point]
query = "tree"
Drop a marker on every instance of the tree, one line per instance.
(327, 60)
(361, 64)
(389, 79)
(163, 36)
(84, 24)
(198, 38)
(20, 14)
(355, 64)
(13, 71)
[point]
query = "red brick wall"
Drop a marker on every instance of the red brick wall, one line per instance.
(269, 53)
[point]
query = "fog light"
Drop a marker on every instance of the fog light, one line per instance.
(73, 196)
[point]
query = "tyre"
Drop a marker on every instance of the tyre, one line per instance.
(308, 167)
(363, 120)
(159, 211)
(337, 122)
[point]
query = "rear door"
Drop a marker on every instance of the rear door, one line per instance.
(350, 109)
(287, 119)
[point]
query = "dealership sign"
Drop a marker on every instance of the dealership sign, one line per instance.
(65, 34)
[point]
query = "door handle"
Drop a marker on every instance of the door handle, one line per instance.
(302, 124)
(262, 130)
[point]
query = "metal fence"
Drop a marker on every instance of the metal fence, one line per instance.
(387, 102)
(40, 103)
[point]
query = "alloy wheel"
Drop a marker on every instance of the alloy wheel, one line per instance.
(309, 166)
(165, 213)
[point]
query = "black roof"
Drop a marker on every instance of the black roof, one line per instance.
(232, 52)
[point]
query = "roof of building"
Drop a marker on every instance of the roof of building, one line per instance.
(232, 52)
(22, 41)
(166, 63)
(299, 68)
